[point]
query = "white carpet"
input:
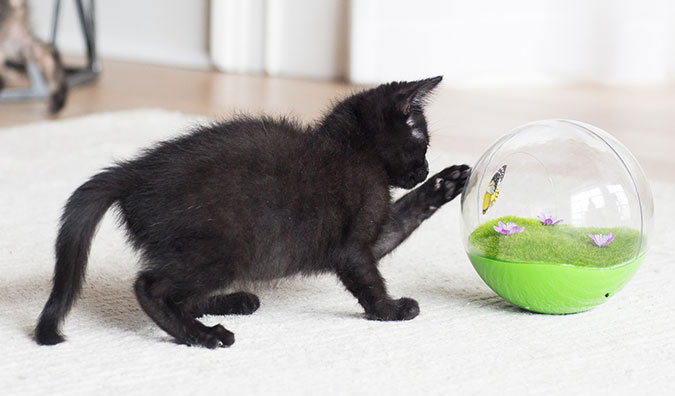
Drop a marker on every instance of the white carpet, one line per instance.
(309, 336)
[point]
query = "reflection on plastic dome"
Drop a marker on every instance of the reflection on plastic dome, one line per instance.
(555, 216)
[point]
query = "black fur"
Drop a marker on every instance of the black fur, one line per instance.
(257, 199)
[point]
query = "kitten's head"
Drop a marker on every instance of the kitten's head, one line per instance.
(396, 124)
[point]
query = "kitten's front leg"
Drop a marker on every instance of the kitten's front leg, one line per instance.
(361, 277)
(418, 205)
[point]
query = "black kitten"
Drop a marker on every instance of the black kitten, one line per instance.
(260, 199)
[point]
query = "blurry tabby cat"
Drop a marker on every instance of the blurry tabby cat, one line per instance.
(19, 45)
(255, 199)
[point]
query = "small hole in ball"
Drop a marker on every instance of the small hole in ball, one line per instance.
(606, 295)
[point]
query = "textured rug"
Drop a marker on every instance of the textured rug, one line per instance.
(309, 336)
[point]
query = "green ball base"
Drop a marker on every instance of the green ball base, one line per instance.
(553, 288)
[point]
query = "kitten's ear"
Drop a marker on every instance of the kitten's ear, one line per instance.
(413, 94)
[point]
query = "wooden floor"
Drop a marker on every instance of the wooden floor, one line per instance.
(643, 118)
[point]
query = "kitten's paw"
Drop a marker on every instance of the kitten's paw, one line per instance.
(401, 309)
(214, 337)
(57, 99)
(447, 184)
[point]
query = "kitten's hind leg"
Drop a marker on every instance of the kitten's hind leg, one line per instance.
(240, 303)
(418, 205)
(160, 299)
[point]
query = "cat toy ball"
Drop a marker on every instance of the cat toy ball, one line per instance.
(556, 216)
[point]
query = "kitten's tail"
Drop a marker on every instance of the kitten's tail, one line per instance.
(79, 221)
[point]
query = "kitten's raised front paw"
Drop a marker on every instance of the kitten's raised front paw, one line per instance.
(214, 337)
(447, 184)
(401, 309)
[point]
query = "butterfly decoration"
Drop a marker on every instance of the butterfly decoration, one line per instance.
(492, 191)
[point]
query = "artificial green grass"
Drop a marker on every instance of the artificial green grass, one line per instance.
(559, 244)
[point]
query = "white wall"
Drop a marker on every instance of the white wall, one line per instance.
(237, 41)
(477, 42)
(532, 42)
(307, 38)
(301, 38)
(173, 32)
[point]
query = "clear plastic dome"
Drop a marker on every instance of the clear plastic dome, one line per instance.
(556, 216)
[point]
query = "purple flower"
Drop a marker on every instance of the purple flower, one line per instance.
(602, 240)
(508, 228)
(548, 220)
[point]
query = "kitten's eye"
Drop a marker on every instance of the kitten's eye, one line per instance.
(418, 134)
